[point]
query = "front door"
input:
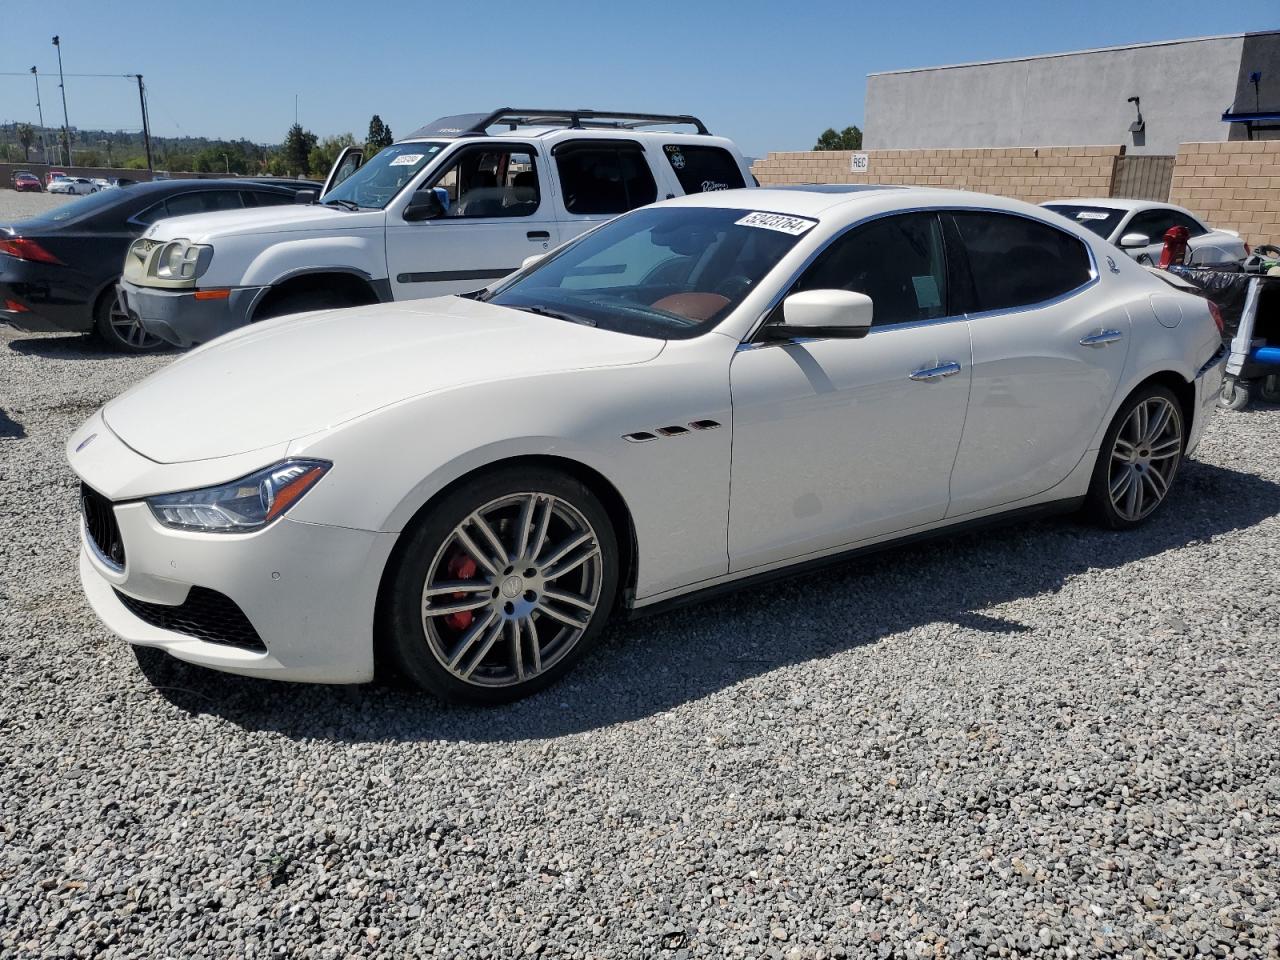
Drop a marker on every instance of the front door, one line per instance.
(498, 213)
(839, 441)
(1049, 349)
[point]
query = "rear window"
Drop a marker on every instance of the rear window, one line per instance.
(1101, 220)
(604, 177)
(701, 169)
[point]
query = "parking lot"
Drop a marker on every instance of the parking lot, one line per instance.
(1045, 740)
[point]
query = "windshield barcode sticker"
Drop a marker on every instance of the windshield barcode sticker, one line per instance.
(777, 221)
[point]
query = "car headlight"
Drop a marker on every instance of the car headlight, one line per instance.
(240, 506)
(182, 260)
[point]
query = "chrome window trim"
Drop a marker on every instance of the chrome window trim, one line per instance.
(1094, 275)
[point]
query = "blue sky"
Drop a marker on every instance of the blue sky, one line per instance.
(770, 75)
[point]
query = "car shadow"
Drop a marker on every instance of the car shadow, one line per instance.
(693, 652)
(10, 429)
(73, 346)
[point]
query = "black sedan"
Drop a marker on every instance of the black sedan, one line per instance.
(58, 270)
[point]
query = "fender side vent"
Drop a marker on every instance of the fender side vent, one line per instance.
(640, 436)
(704, 424)
(673, 431)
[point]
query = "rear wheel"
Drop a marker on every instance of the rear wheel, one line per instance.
(1139, 459)
(502, 586)
(119, 331)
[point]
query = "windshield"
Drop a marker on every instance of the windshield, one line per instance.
(82, 207)
(667, 272)
(382, 177)
(1101, 220)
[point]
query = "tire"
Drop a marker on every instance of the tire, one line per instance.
(508, 630)
(116, 329)
(1139, 459)
(1235, 394)
(1270, 389)
(301, 301)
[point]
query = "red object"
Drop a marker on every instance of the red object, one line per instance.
(13, 306)
(1175, 247)
(53, 175)
(212, 294)
(25, 249)
(464, 568)
(1217, 316)
(27, 181)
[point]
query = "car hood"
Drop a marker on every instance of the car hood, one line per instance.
(273, 382)
(206, 227)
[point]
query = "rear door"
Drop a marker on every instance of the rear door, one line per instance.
(1049, 343)
(498, 212)
(598, 179)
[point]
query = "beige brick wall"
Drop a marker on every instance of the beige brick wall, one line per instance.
(1034, 174)
(1234, 185)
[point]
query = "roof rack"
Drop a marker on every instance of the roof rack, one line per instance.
(478, 124)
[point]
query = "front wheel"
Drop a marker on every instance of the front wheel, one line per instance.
(502, 586)
(1139, 459)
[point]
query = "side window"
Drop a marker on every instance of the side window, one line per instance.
(151, 214)
(1016, 262)
(899, 262)
(604, 177)
(206, 201)
(700, 168)
(491, 182)
(1153, 223)
(254, 198)
(1194, 227)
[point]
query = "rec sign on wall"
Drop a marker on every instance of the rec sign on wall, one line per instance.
(859, 163)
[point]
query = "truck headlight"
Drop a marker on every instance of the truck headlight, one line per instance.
(182, 260)
(240, 506)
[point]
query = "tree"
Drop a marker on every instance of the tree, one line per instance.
(326, 152)
(26, 137)
(379, 136)
(296, 152)
(850, 138)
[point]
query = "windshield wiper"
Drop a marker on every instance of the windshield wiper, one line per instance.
(344, 204)
(571, 318)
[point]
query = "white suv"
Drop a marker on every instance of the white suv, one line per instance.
(451, 208)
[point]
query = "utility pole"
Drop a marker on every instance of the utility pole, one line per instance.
(66, 124)
(44, 146)
(146, 123)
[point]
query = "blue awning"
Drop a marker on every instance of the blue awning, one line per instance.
(1230, 117)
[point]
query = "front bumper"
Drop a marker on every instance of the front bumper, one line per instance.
(177, 317)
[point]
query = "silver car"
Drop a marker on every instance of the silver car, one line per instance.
(1138, 226)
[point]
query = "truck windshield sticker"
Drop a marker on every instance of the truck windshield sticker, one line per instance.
(777, 221)
(406, 159)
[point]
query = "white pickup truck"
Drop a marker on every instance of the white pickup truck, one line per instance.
(457, 204)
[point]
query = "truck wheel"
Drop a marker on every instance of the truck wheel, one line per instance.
(302, 301)
(116, 328)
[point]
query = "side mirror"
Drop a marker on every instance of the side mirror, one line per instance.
(528, 262)
(1130, 240)
(427, 205)
(824, 313)
(304, 196)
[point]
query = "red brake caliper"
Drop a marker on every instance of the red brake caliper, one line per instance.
(461, 567)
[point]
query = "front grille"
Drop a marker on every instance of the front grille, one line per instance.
(205, 614)
(100, 524)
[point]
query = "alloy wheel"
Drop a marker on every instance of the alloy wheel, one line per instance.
(129, 331)
(1145, 457)
(512, 589)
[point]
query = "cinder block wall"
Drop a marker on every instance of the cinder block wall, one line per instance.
(1235, 185)
(1034, 174)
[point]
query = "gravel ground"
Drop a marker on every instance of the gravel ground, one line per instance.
(1041, 741)
(16, 206)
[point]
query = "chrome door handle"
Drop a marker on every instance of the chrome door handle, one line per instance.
(949, 369)
(1101, 338)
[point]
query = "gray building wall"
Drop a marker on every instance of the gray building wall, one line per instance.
(1070, 98)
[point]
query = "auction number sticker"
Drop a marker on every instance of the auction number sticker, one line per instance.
(406, 159)
(859, 163)
(1092, 215)
(778, 221)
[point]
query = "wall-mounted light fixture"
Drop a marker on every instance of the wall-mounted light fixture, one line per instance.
(1138, 125)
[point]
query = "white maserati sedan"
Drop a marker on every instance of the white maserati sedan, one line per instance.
(705, 391)
(1138, 227)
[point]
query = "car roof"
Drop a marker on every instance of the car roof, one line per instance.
(1109, 203)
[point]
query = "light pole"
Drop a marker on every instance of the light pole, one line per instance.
(66, 124)
(44, 147)
(227, 162)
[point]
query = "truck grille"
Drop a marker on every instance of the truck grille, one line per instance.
(206, 615)
(101, 527)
